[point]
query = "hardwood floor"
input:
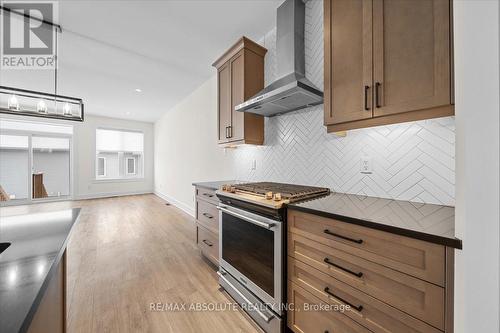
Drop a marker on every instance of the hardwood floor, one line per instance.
(129, 252)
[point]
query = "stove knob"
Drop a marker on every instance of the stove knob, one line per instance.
(277, 196)
(269, 195)
(232, 189)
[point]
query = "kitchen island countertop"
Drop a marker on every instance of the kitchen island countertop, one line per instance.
(38, 242)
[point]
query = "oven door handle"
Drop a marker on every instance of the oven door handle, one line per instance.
(267, 318)
(246, 218)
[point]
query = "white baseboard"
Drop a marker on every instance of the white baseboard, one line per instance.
(182, 206)
(108, 195)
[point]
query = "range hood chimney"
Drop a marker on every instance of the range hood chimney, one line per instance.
(292, 91)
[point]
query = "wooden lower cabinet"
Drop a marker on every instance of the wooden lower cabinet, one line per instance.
(208, 242)
(382, 293)
(374, 314)
(414, 257)
(51, 313)
(313, 315)
(207, 224)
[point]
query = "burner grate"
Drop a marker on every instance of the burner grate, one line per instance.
(288, 191)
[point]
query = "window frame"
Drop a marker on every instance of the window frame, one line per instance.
(97, 166)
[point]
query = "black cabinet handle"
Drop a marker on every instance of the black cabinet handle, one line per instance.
(377, 102)
(328, 232)
(359, 274)
(208, 215)
(208, 195)
(357, 308)
(208, 243)
(230, 128)
(227, 132)
(366, 98)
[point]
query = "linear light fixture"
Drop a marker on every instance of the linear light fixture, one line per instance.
(38, 104)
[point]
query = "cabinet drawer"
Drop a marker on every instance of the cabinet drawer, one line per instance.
(420, 299)
(374, 314)
(207, 215)
(206, 194)
(208, 242)
(411, 256)
(305, 320)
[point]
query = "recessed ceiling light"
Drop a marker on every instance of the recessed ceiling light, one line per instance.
(127, 113)
(138, 90)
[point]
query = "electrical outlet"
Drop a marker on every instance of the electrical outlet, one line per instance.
(254, 165)
(366, 165)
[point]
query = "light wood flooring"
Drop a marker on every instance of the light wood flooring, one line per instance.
(129, 252)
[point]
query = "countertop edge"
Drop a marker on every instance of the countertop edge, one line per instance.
(204, 186)
(449, 242)
(50, 274)
(210, 186)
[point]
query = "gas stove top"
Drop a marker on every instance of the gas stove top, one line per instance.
(271, 195)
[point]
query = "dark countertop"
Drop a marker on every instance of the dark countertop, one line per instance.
(431, 223)
(26, 267)
(214, 185)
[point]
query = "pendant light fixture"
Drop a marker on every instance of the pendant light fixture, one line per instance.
(40, 104)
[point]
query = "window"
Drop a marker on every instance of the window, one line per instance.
(131, 165)
(101, 166)
(119, 154)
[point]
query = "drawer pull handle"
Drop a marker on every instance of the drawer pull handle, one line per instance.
(208, 195)
(328, 232)
(208, 243)
(208, 215)
(357, 308)
(359, 274)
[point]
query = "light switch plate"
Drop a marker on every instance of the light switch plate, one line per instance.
(366, 166)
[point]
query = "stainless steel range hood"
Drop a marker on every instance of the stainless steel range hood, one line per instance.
(292, 91)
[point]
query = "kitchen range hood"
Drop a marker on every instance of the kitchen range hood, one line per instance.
(292, 91)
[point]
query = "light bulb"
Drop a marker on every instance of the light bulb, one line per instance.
(41, 107)
(67, 110)
(13, 103)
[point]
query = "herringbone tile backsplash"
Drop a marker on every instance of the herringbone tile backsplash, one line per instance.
(411, 161)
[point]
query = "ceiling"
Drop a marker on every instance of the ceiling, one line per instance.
(108, 49)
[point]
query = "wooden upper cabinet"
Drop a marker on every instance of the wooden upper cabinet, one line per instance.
(348, 61)
(224, 101)
(240, 75)
(411, 55)
(386, 61)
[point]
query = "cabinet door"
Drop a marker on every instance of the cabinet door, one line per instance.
(348, 60)
(237, 64)
(224, 101)
(411, 41)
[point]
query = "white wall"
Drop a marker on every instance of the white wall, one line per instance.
(84, 163)
(476, 25)
(186, 147)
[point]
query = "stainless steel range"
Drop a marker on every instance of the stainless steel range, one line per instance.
(251, 246)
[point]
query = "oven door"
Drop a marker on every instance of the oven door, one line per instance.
(250, 249)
